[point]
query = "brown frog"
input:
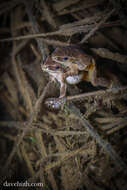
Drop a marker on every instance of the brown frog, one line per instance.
(57, 73)
(70, 65)
(79, 63)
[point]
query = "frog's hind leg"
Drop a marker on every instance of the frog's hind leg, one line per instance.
(97, 81)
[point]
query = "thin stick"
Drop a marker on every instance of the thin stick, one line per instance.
(92, 32)
(96, 93)
(36, 110)
(7, 6)
(48, 14)
(103, 143)
(40, 43)
(115, 56)
(21, 126)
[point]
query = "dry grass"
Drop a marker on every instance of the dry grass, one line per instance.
(60, 149)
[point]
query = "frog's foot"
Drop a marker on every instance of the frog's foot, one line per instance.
(55, 104)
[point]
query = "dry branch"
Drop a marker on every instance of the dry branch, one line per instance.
(80, 6)
(22, 126)
(97, 27)
(100, 93)
(60, 137)
(48, 14)
(43, 152)
(40, 43)
(83, 26)
(105, 53)
(103, 143)
(32, 116)
(8, 6)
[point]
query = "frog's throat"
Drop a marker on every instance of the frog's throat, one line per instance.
(75, 79)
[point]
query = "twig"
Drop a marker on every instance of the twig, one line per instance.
(43, 152)
(88, 20)
(119, 8)
(27, 160)
(105, 53)
(66, 153)
(29, 92)
(83, 25)
(21, 126)
(66, 32)
(103, 143)
(114, 126)
(21, 83)
(92, 32)
(109, 41)
(66, 157)
(48, 41)
(63, 159)
(80, 6)
(7, 6)
(35, 52)
(48, 14)
(117, 127)
(23, 25)
(20, 46)
(64, 4)
(96, 93)
(33, 115)
(40, 43)
(105, 95)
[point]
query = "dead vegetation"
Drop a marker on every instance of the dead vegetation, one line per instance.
(82, 146)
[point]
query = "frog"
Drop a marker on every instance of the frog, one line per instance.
(79, 63)
(70, 65)
(57, 73)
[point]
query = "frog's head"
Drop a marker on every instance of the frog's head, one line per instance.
(63, 55)
(51, 67)
(71, 55)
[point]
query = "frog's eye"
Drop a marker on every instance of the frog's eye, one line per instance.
(57, 67)
(65, 58)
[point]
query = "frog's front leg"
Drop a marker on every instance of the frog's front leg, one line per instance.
(63, 85)
(63, 88)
